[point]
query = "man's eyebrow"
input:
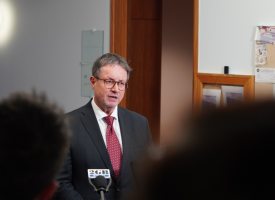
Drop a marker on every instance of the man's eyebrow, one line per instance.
(114, 80)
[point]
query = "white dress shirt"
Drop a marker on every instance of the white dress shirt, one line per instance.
(99, 114)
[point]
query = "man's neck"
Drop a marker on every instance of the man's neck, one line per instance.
(107, 111)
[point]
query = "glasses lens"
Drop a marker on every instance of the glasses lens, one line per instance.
(109, 84)
(121, 86)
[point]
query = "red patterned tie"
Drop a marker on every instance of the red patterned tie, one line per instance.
(113, 145)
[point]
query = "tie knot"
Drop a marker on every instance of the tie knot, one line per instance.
(109, 120)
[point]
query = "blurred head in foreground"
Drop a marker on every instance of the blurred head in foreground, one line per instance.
(228, 154)
(34, 137)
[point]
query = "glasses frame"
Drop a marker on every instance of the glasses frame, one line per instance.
(115, 82)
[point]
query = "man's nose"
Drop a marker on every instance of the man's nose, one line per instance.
(115, 87)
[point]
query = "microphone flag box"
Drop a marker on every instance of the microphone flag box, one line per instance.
(93, 173)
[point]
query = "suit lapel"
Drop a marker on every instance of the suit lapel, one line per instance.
(124, 124)
(91, 125)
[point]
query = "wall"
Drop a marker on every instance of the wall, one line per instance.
(227, 32)
(44, 50)
(177, 66)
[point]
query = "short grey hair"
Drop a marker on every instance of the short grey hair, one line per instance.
(110, 58)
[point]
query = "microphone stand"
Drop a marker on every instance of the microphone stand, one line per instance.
(102, 197)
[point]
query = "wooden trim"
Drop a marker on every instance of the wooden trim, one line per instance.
(248, 82)
(118, 35)
(196, 36)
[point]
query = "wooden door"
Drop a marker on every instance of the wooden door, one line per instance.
(136, 35)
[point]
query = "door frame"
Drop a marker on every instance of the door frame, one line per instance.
(118, 34)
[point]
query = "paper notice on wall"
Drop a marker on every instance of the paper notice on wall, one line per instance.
(267, 34)
(258, 33)
(260, 54)
(211, 98)
(232, 95)
(266, 75)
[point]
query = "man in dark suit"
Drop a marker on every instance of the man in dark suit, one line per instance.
(93, 138)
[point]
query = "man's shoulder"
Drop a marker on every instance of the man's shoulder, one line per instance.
(81, 110)
(130, 113)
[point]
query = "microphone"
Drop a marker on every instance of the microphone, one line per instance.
(100, 177)
(101, 185)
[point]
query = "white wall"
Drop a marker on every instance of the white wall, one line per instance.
(44, 50)
(227, 32)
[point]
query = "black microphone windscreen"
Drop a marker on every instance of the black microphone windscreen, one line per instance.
(100, 181)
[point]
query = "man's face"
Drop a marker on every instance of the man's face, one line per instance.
(108, 99)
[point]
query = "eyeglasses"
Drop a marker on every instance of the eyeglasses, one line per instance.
(108, 83)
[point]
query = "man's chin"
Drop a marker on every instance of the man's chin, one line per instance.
(112, 104)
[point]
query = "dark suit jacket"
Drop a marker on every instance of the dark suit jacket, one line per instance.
(88, 151)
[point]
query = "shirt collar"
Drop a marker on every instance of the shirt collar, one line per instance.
(100, 114)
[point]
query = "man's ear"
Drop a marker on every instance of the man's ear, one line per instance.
(48, 192)
(93, 81)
